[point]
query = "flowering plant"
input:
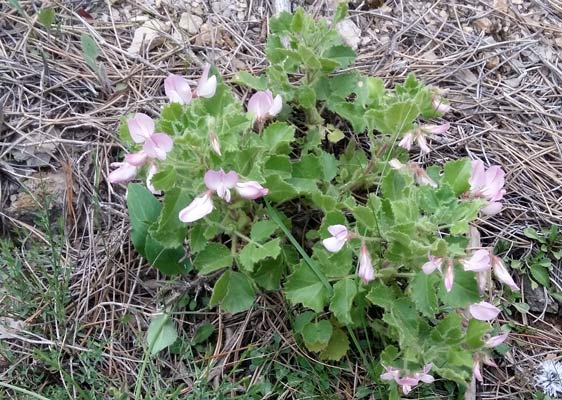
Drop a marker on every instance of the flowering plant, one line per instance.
(387, 250)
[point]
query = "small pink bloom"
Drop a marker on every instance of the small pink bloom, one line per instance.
(177, 89)
(221, 182)
(137, 159)
(406, 142)
(340, 236)
(152, 170)
(422, 143)
(391, 374)
(251, 190)
(407, 383)
(158, 145)
(501, 272)
(206, 87)
(436, 129)
(476, 369)
(480, 261)
(141, 126)
(433, 264)
(495, 341)
(366, 271)
(197, 209)
(264, 106)
(488, 361)
(423, 375)
(473, 238)
(439, 106)
(492, 208)
(483, 311)
(487, 184)
(215, 144)
(483, 279)
(449, 276)
(124, 173)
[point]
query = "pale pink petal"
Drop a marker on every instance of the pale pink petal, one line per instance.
(397, 165)
(276, 106)
(439, 106)
(390, 374)
(421, 177)
(473, 238)
(141, 126)
(483, 311)
(366, 271)
(152, 170)
(502, 274)
(488, 361)
(208, 89)
(494, 181)
(436, 129)
(339, 231)
(215, 144)
(260, 103)
(213, 179)
(483, 280)
(137, 159)
(333, 244)
(230, 180)
(124, 173)
(158, 145)
(477, 177)
(449, 276)
(251, 190)
(433, 264)
(422, 143)
(480, 261)
(197, 209)
(476, 370)
(177, 89)
(495, 341)
(492, 208)
(406, 142)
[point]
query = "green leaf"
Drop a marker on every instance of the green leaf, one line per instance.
(308, 57)
(302, 320)
(234, 292)
(161, 334)
(316, 335)
(169, 230)
(382, 295)
(203, 332)
(394, 185)
(341, 12)
(307, 97)
(262, 230)
(280, 190)
(457, 174)
(245, 78)
(475, 332)
(423, 294)
(169, 261)
(268, 273)
(335, 135)
(144, 209)
(252, 253)
(197, 239)
(345, 291)
(297, 24)
(308, 167)
(278, 137)
(540, 274)
(448, 330)
(304, 287)
(329, 165)
(464, 291)
(279, 165)
(16, 4)
(337, 346)
(343, 55)
(532, 233)
(90, 50)
(214, 257)
(47, 17)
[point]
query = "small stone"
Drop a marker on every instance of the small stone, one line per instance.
(191, 23)
(148, 36)
(492, 62)
(501, 6)
(483, 24)
(204, 36)
(537, 299)
(349, 32)
(517, 2)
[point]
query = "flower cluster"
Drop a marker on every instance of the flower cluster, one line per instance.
(177, 88)
(487, 184)
(220, 183)
(408, 380)
(263, 105)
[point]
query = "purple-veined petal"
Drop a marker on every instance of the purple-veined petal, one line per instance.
(141, 126)
(483, 311)
(197, 209)
(339, 231)
(123, 174)
(177, 89)
(231, 179)
(390, 374)
(137, 159)
(480, 261)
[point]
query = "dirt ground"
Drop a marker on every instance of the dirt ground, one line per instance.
(500, 63)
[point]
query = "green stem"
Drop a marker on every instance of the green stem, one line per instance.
(20, 390)
(274, 214)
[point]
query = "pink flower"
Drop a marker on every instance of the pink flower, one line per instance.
(340, 236)
(439, 106)
(407, 383)
(476, 368)
(215, 144)
(423, 375)
(436, 129)
(177, 89)
(433, 264)
(421, 177)
(483, 311)
(406, 142)
(420, 136)
(366, 271)
(221, 182)
(137, 159)
(501, 272)
(152, 169)
(495, 341)
(264, 106)
(197, 209)
(492, 208)
(124, 173)
(483, 280)
(156, 145)
(391, 374)
(251, 190)
(206, 87)
(480, 261)
(488, 185)
(449, 276)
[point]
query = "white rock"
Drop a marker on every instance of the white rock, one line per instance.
(148, 36)
(349, 32)
(191, 23)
